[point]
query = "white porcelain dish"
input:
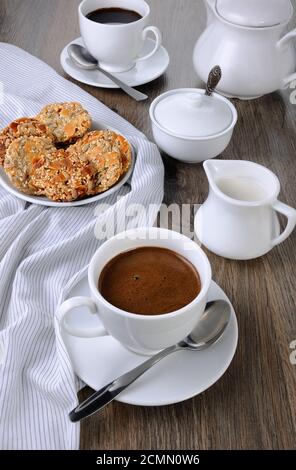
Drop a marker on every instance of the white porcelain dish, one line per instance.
(191, 127)
(44, 201)
(143, 72)
(176, 378)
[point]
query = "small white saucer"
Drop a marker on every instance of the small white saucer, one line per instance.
(176, 378)
(144, 71)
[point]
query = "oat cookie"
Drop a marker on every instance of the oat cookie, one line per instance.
(103, 150)
(100, 142)
(108, 171)
(20, 128)
(125, 151)
(23, 156)
(63, 179)
(67, 121)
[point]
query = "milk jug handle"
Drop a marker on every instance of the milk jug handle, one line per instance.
(288, 212)
(280, 44)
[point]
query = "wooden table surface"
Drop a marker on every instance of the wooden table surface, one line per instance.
(253, 405)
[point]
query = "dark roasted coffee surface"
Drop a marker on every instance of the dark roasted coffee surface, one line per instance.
(149, 281)
(114, 16)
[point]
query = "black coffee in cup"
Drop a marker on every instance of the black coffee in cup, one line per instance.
(149, 281)
(113, 16)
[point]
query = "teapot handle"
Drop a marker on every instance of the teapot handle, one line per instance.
(289, 79)
(287, 38)
(288, 212)
(280, 44)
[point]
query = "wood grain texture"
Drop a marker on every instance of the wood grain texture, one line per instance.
(253, 405)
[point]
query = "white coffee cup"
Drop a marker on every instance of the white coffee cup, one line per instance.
(144, 334)
(117, 47)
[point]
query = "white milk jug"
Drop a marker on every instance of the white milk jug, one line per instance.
(239, 218)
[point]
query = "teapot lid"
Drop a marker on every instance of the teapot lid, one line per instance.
(255, 13)
(190, 113)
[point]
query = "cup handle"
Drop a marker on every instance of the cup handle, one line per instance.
(158, 43)
(288, 212)
(76, 302)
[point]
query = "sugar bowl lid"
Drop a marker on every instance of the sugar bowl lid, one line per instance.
(189, 113)
(255, 13)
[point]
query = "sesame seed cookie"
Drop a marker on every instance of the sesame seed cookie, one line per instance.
(106, 152)
(20, 128)
(23, 156)
(108, 172)
(100, 142)
(67, 121)
(63, 179)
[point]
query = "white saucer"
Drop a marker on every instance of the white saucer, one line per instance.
(143, 72)
(44, 201)
(176, 378)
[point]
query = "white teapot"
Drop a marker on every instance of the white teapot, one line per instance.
(246, 38)
(239, 218)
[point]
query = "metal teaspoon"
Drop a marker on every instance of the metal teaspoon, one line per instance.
(207, 332)
(83, 59)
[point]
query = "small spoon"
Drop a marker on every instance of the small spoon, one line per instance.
(215, 76)
(207, 332)
(83, 59)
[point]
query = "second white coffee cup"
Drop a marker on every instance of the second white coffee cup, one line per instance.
(117, 47)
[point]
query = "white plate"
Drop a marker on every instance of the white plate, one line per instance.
(144, 71)
(43, 201)
(176, 378)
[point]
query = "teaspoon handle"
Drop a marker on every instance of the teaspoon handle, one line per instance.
(215, 76)
(137, 95)
(103, 397)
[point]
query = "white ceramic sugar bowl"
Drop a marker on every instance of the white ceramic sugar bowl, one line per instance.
(190, 126)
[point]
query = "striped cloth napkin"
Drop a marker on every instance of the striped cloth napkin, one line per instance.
(41, 249)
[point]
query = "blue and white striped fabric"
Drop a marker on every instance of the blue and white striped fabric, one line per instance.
(41, 249)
